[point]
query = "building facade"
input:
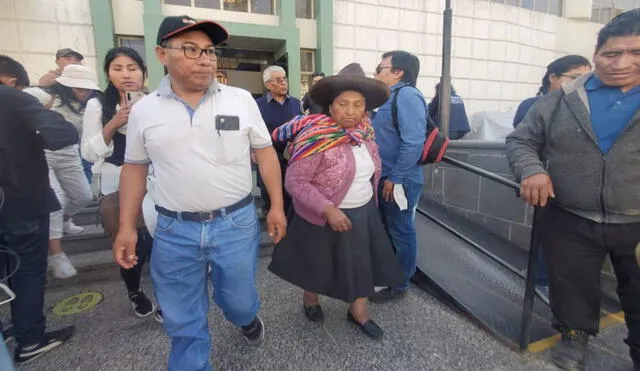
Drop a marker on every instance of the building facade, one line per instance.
(499, 49)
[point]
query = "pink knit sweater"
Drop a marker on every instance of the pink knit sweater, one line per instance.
(324, 178)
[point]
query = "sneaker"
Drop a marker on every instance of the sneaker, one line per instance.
(571, 352)
(69, 228)
(387, 294)
(543, 293)
(158, 316)
(61, 266)
(254, 332)
(142, 306)
(51, 340)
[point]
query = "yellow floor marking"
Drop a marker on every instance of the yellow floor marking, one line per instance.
(609, 320)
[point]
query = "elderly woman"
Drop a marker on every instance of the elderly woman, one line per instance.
(336, 244)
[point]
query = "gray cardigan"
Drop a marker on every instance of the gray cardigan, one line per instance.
(557, 130)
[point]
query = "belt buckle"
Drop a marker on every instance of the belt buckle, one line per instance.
(208, 216)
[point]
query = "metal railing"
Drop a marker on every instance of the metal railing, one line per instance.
(534, 249)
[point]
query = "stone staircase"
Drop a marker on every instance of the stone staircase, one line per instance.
(90, 251)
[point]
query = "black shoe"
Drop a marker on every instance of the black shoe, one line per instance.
(158, 316)
(254, 332)
(370, 328)
(571, 352)
(50, 341)
(314, 313)
(141, 304)
(387, 294)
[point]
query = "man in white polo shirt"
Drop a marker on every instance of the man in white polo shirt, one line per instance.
(198, 134)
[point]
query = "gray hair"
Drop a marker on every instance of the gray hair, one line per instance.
(266, 75)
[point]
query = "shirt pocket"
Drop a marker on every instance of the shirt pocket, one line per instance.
(232, 146)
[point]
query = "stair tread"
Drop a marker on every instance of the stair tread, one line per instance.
(90, 231)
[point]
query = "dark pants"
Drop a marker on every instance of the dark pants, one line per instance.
(265, 194)
(131, 277)
(575, 249)
(30, 241)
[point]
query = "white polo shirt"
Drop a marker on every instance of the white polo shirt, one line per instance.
(197, 167)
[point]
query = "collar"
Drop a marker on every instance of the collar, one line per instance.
(165, 90)
(270, 97)
(594, 83)
(399, 85)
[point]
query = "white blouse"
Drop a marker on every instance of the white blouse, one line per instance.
(361, 190)
(95, 150)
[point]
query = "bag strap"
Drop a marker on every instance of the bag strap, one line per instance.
(394, 109)
(394, 112)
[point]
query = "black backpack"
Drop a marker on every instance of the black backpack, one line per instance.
(435, 144)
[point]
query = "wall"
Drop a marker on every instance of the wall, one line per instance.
(499, 52)
(33, 30)
(248, 80)
(483, 201)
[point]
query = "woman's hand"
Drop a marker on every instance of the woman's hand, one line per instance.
(120, 118)
(336, 219)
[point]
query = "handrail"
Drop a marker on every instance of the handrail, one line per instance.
(482, 172)
(534, 248)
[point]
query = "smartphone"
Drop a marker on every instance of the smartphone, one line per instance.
(133, 97)
(6, 295)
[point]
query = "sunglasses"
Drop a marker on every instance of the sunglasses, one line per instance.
(380, 68)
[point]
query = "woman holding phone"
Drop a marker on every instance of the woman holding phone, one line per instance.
(103, 143)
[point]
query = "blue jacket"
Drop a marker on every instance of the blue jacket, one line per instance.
(400, 152)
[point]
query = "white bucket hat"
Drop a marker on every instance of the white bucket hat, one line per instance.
(78, 76)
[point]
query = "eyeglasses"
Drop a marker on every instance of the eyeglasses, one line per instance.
(193, 52)
(572, 77)
(279, 80)
(380, 68)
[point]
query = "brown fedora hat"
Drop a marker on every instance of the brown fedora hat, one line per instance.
(351, 77)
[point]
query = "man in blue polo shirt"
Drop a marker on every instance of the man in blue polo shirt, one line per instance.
(588, 133)
(277, 107)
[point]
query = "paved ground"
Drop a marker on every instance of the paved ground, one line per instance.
(421, 334)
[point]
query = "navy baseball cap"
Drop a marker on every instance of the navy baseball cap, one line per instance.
(171, 26)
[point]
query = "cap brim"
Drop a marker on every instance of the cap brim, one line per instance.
(215, 31)
(77, 83)
(375, 92)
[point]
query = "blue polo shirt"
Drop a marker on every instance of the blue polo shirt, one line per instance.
(611, 110)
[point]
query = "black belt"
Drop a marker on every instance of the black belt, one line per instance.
(205, 216)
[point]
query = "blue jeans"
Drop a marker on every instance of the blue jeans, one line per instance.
(86, 167)
(401, 227)
(6, 364)
(182, 251)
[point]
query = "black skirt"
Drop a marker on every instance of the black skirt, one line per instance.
(341, 265)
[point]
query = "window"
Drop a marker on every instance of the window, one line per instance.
(304, 9)
(262, 6)
(603, 11)
(135, 43)
(307, 68)
(236, 5)
(178, 2)
(245, 6)
(542, 6)
(209, 4)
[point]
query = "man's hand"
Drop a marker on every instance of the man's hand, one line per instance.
(124, 248)
(336, 219)
(537, 189)
(276, 224)
(387, 190)
(49, 78)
